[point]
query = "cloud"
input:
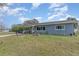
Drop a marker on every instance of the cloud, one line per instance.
(2, 12)
(35, 5)
(58, 13)
(14, 12)
(6, 11)
(51, 17)
(40, 19)
(53, 5)
(64, 18)
(9, 4)
(77, 19)
(22, 19)
(49, 14)
(62, 9)
(17, 11)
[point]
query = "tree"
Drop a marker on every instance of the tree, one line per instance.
(20, 28)
(2, 26)
(3, 4)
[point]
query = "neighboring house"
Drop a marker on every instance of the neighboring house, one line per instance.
(78, 26)
(30, 22)
(66, 27)
(4, 30)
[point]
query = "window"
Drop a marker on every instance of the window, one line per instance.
(60, 27)
(38, 28)
(75, 26)
(41, 28)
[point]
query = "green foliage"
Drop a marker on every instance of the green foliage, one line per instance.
(20, 28)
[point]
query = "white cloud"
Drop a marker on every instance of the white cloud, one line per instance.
(51, 17)
(35, 5)
(58, 13)
(77, 19)
(4, 9)
(17, 11)
(65, 18)
(38, 18)
(9, 4)
(62, 9)
(54, 16)
(49, 14)
(53, 5)
(14, 12)
(22, 19)
(2, 12)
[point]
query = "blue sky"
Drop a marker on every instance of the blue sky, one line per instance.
(15, 13)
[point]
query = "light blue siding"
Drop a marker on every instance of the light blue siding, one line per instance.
(42, 31)
(51, 29)
(69, 29)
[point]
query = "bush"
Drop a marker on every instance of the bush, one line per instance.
(20, 28)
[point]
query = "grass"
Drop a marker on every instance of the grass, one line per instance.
(42, 45)
(5, 33)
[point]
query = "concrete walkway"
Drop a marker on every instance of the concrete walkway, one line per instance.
(7, 35)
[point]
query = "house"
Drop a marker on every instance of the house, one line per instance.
(30, 22)
(66, 27)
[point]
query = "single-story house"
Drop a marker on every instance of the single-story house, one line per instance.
(66, 27)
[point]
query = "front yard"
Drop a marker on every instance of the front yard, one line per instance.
(41, 45)
(5, 33)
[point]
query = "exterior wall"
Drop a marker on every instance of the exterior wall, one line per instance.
(41, 31)
(51, 29)
(69, 29)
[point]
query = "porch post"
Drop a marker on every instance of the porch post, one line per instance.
(32, 29)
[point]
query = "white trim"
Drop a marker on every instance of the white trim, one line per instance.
(60, 29)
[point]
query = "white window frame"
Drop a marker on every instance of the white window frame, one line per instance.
(60, 29)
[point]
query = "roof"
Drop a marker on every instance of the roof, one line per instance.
(58, 22)
(30, 22)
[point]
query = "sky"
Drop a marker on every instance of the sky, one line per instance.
(17, 13)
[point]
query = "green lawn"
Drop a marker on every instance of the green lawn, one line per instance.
(41, 45)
